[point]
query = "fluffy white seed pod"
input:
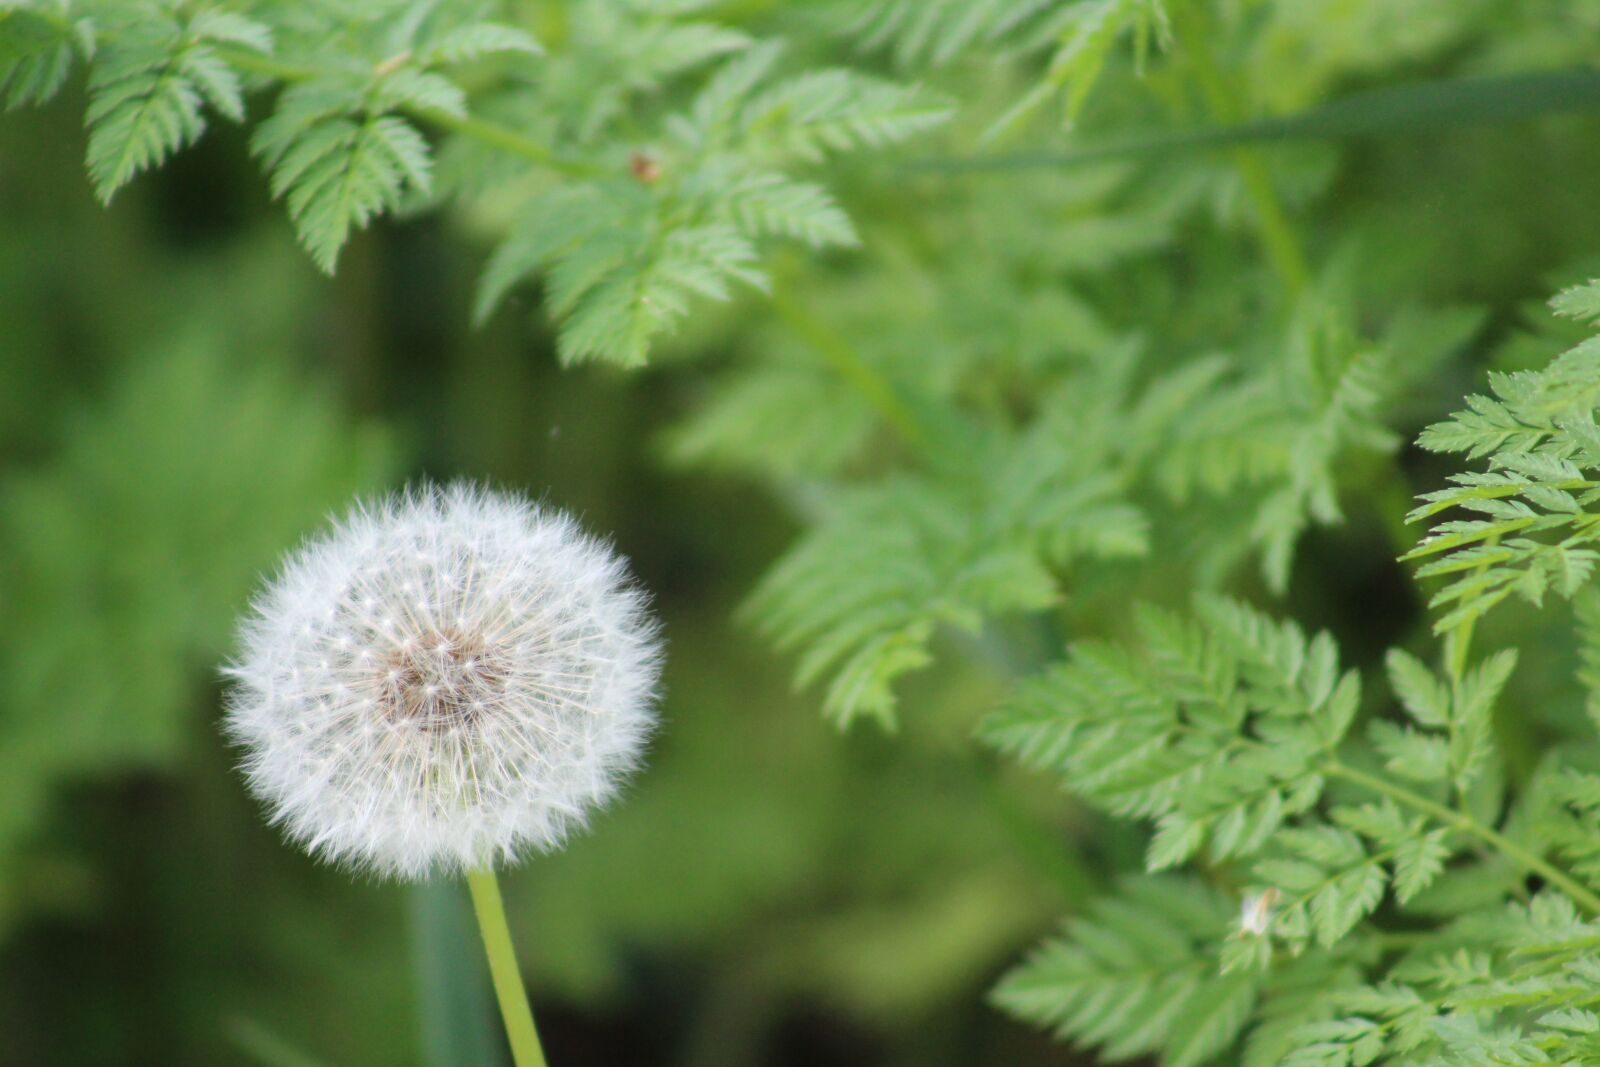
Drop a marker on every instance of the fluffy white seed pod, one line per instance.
(448, 679)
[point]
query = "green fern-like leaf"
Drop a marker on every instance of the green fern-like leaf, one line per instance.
(1213, 731)
(616, 282)
(37, 51)
(1090, 31)
(338, 165)
(864, 591)
(937, 31)
(1279, 438)
(464, 43)
(619, 316)
(1533, 528)
(624, 258)
(1330, 882)
(1566, 802)
(150, 85)
(763, 204)
(1138, 975)
(834, 111)
(1451, 736)
(1516, 990)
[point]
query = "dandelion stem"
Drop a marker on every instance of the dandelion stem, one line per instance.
(525, 1050)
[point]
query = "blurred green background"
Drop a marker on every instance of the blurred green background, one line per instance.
(182, 396)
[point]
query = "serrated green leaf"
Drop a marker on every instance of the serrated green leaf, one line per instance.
(1207, 1025)
(1417, 862)
(1421, 757)
(338, 174)
(36, 54)
(143, 106)
(1422, 694)
(1345, 901)
(477, 39)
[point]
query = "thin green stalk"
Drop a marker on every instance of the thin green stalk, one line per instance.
(1516, 747)
(845, 360)
(491, 133)
(1403, 110)
(508, 140)
(1277, 233)
(1458, 650)
(525, 1050)
(255, 63)
(1460, 645)
(1460, 820)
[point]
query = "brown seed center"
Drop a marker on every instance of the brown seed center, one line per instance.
(441, 681)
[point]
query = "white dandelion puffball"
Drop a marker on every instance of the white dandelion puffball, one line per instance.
(446, 680)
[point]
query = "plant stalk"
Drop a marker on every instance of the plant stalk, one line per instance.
(1460, 820)
(1276, 232)
(849, 365)
(490, 133)
(508, 987)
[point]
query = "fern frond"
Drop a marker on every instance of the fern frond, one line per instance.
(1519, 989)
(336, 165)
(1512, 986)
(864, 591)
(37, 50)
(768, 204)
(1329, 881)
(150, 84)
(1452, 740)
(1581, 302)
(1212, 731)
(622, 313)
(1089, 32)
(660, 50)
(937, 31)
(1139, 975)
(616, 281)
(1586, 609)
(1566, 803)
(417, 91)
(465, 43)
(827, 111)
(1539, 434)
(625, 258)
(341, 152)
(1282, 436)
(228, 27)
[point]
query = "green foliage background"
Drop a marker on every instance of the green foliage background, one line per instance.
(907, 348)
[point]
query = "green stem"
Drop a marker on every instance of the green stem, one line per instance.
(1460, 820)
(1459, 649)
(508, 140)
(1517, 748)
(491, 133)
(847, 362)
(525, 1050)
(1277, 233)
(255, 63)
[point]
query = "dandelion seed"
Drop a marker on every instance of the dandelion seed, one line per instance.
(1256, 915)
(447, 680)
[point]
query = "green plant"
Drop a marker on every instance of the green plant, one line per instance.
(632, 211)
(1087, 377)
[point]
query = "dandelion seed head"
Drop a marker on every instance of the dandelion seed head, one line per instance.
(448, 679)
